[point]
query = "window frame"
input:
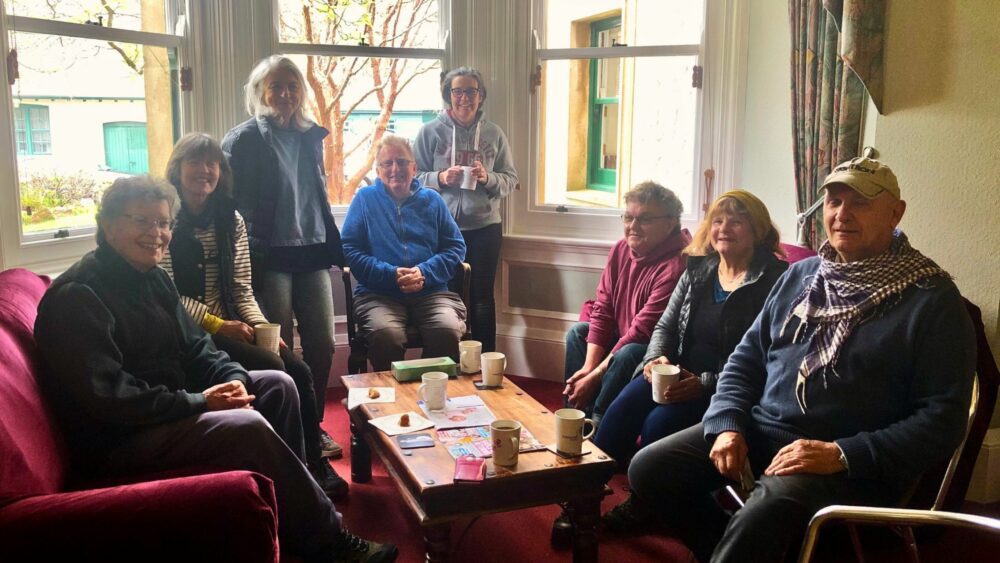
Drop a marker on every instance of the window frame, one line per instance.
(598, 177)
(442, 55)
(51, 252)
(722, 54)
(28, 129)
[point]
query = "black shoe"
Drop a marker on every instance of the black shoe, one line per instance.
(332, 484)
(628, 517)
(562, 531)
(329, 448)
(352, 549)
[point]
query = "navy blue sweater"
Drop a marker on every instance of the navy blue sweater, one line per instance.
(900, 402)
(380, 235)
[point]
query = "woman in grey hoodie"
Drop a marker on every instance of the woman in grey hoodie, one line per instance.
(461, 143)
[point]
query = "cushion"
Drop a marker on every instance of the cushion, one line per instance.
(34, 460)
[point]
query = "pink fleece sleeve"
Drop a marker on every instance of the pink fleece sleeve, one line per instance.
(641, 328)
(603, 327)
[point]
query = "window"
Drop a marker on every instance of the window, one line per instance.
(617, 82)
(95, 100)
(31, 130)
(371, 68)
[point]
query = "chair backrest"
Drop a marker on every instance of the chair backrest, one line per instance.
(34, 459)
(794, 253)
(944, 488)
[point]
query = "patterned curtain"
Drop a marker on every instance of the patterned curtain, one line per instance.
(828, 95)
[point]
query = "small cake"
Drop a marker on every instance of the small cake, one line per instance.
(373, 393)
(404, 420)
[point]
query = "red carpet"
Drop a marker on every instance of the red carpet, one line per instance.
(375, 511)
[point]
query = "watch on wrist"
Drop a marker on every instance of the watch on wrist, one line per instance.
(843, 460)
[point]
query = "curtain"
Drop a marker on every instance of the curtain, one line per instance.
(828, 94)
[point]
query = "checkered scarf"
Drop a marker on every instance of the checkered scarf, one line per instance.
(842, 295)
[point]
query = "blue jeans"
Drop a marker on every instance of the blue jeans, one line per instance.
(309, 297)
(634, 414)
(619, 370)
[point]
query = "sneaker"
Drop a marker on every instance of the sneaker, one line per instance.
(332, 484)
(627, 517)
(329, 448)
(352, 549)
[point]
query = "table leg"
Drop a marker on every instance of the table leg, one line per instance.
(361, 456)
(585, 513)
(437, 542)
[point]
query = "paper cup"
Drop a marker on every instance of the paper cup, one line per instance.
(662, 376)
(267, 336)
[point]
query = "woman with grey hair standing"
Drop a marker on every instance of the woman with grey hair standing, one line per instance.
(280, 190)
(461, 143)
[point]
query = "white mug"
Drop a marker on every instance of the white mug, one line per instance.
(662, 376)
(468, 178)
(569, 431)
(494, 364)
(434, 389)
(505, 436)
(267, 336)
(468, 355)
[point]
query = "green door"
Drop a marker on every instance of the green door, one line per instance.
(125, 148)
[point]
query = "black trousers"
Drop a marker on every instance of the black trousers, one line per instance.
(675, 477)
(254, 357)
(483, 254)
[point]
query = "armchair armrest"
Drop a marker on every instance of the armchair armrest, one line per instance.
(890, 517)
(345, 274)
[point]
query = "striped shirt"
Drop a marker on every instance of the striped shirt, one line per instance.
(209, 300)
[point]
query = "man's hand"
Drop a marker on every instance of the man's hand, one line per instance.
(583, 386)
(806, 456)
(647, 370)
(451, 177)
(409, 280)
(229, 395)
(237, 330)
(729, 454)
(479, 171)
(688, 388)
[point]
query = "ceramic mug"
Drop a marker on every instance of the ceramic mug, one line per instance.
(267, 336)
(569, 431)
(433, 389)
(505, 435)
(469, 352)
(663, 375)
(494, 364)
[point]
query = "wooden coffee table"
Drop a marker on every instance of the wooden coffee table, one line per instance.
(424, 475)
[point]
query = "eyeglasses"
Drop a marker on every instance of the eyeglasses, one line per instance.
(144, 223)
(467, 92)
(400, 162)
(643, 220)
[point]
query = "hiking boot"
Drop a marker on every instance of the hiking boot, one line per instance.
(628, 517)
(352, 549)
(562, 531)
(329, 448)
(332, 484)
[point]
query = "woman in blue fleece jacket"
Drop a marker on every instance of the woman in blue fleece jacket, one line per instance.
(403, 246)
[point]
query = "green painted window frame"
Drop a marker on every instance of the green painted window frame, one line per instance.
(24, 124)
(598, 178)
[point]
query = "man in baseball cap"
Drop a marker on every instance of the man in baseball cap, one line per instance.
(866, 176)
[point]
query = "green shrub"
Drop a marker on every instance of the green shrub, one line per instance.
(59, 194)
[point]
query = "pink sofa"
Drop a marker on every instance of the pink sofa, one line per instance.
(45, 515)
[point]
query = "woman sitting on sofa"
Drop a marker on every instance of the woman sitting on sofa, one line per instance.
(209, 261)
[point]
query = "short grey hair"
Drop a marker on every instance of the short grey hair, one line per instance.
(455, 73)
(395, 141)
(253, 90)
(651, 192)
(127, 189)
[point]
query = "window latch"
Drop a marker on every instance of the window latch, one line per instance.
(696, 74)
(562, 209)
(61, 233)
(187, 79)
(12, 70)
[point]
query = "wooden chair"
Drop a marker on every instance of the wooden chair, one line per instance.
(357, 361)
(940, 493)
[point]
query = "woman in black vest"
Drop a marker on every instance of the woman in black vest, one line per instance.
(210, 263)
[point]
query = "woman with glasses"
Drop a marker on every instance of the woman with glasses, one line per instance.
(403, 246)
(458, 143)
(209, 261)
(280, 190)
(732, 265)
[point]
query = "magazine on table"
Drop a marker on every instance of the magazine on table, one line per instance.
(476, 441)
(459, 412)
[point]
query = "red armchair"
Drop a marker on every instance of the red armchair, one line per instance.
(45, 514)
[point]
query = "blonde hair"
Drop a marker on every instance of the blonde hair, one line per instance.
(743, 203)
(253, 90)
